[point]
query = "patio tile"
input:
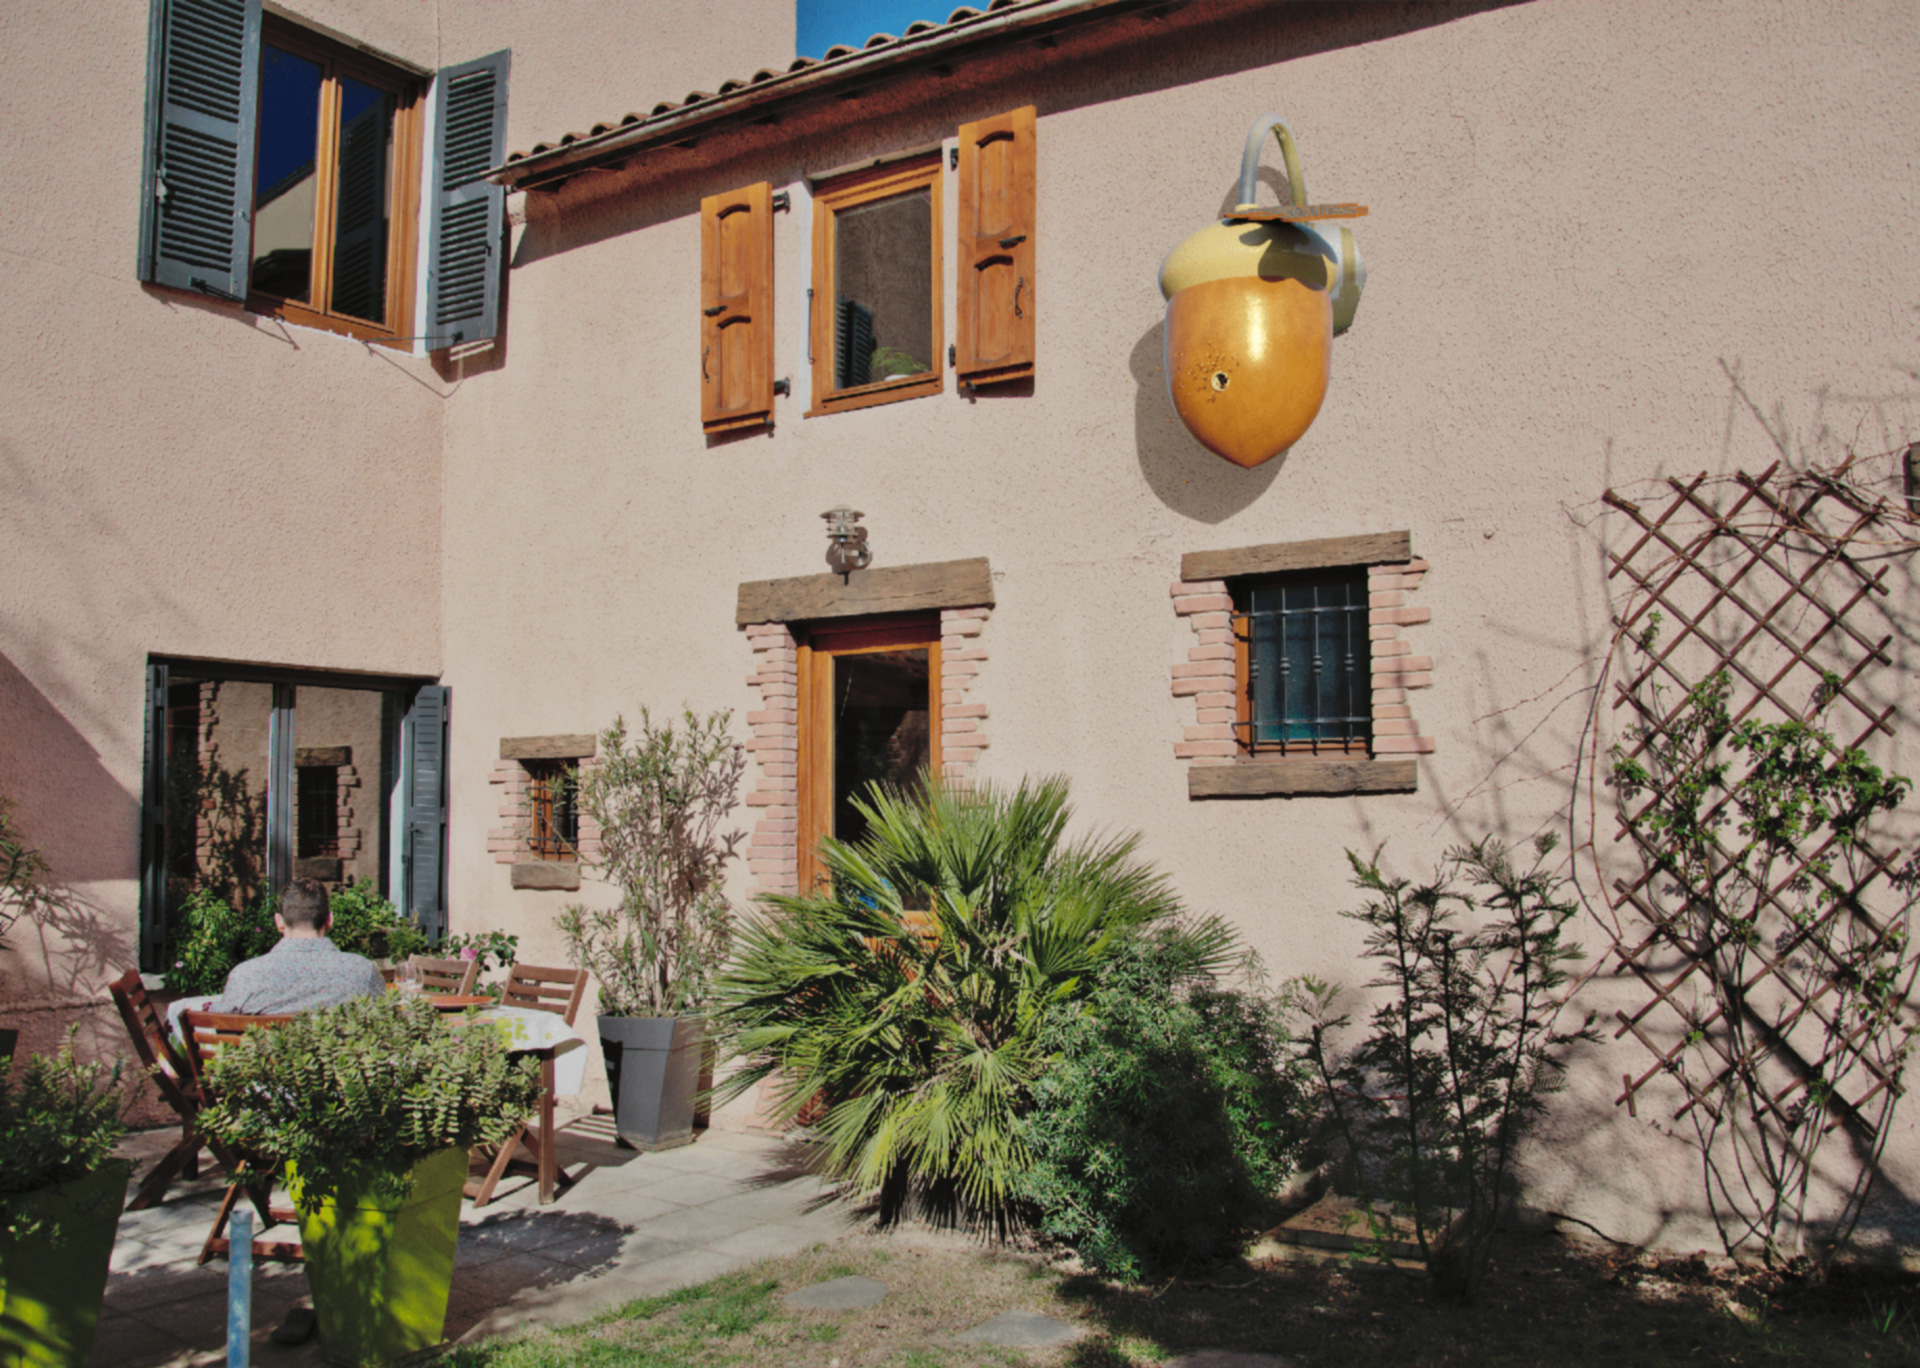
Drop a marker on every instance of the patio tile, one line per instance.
(123, 1341)
(699, 1225)
(631, 1208)
(690, 1189)
(158, 1283)
(199, 1320)
(765, 1242)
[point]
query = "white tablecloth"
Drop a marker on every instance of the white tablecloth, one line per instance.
(531, 1031)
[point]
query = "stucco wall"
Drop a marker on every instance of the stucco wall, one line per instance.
(1585, 270)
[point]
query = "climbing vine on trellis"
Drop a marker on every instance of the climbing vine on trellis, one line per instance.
(1761, 907)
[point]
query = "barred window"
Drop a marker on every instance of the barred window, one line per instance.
(1301, 653)
(553, 819)
(317, 805)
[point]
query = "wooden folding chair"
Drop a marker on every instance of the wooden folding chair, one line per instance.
(207, 1034)
(545, 990)
(530, 1150)
(454, 976)
(168, 1068)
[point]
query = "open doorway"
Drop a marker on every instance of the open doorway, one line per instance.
(869, 713)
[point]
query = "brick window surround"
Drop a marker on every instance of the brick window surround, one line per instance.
(1219, 766)
(511, 842)
(962, 593)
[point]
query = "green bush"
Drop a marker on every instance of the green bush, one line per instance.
(385, 1080)
(58, 1121)
(907, 998)
(364, 923)
(1171, 1111)
(209, 935)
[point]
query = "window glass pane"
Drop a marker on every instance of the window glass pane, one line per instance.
(1308, 665)
(340, 770)
(883, 290)
(283, 183)
(881, 728)
(363, 194)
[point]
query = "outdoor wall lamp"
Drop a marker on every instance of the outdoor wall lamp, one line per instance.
(1253, 305)
(847, 548)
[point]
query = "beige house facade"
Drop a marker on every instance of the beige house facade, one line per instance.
(1605, 246)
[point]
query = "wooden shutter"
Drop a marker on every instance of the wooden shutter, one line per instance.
(995, 339)
(736, 309)
(203, 84)
(425, 852)
(468, 253)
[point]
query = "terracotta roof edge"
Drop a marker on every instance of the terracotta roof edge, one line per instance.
(557, 159)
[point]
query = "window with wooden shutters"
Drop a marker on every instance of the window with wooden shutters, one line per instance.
(876, 333)
(736, 309)
(996, 285)
(283, 170)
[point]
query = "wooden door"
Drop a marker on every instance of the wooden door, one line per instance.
(869, 710)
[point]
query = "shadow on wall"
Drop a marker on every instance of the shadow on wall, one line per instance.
(1182, 474)
(86, 826)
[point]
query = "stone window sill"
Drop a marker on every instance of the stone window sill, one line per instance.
(555, 874)
(1296, 778)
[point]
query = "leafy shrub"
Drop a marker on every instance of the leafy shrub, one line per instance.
(364, 923)
(384, 1080)
(493, 949)
(1461, 1056)
(58, 1121)
(907, 997)
(659, 801)
(1171, 1111)
(209, 936)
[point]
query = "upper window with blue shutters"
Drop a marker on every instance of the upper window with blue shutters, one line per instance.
(285, 171)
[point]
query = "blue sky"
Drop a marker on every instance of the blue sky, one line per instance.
(822, 23)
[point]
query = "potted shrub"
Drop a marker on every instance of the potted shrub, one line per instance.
(60, 1201)
(659, 799)
(372, 1106)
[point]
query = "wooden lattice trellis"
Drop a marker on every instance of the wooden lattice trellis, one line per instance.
(1771, 578)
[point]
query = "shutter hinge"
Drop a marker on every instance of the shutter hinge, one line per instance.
(952, 354)
(783, 386)
(782, 200)
(953, 159)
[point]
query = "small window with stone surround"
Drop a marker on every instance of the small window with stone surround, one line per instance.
(544, 836)
(1298, 671)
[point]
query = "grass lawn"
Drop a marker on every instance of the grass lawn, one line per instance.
(1549, 1302)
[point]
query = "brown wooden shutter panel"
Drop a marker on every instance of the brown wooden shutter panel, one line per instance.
(996, 249)
(736, 309)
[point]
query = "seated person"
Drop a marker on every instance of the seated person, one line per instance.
(305, 970)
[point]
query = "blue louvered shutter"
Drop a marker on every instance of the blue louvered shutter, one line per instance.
(203, 84)
(469, 214)
(425, 854)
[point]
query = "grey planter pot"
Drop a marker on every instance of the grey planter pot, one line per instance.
(653, 1072)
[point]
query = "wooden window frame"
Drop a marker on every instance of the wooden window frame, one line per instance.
(816, 648)
(881, 182)
(403, 239)
(1284, 752)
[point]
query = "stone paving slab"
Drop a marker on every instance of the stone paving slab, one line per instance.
(838, 1294)
(1022, 1330)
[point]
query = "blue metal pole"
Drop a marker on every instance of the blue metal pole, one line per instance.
(239, 1287)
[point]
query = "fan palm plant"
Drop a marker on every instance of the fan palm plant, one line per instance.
(902, 1001)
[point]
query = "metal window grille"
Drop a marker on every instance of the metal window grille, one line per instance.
(553, 816)
(1307, 670)
(318, 801)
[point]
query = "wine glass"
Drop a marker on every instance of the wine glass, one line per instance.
(406, 977)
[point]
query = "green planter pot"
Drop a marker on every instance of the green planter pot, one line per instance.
(381, 1266)
(51, 1280)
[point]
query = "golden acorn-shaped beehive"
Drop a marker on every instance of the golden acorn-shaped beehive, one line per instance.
(1253, 305)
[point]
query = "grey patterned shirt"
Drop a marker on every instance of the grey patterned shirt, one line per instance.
(298, 976)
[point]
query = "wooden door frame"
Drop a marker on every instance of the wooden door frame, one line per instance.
(816, 647)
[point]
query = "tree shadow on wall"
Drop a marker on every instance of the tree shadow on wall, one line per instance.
(73, 811)
(1182, 474)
